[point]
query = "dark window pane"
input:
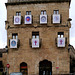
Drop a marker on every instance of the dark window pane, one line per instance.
(18, 13)
(35, 33)
(28, 12)
(1, 64)
(56, 11)
(43, 12)
(0, 54)
(60, 33)
(14, 36)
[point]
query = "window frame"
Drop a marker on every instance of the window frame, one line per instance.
(43, 12)
(60, 34)
(15, 36)
(28, 12)
(18, 13)
(56, 12)
(35, 34)
(1, 55)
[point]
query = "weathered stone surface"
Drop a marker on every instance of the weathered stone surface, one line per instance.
(48, 33)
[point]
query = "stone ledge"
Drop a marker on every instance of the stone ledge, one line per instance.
(39, 0)
(17, 2)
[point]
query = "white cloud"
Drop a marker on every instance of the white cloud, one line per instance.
(72, 41)
(3, 34)
(2, 44)
(72, 30)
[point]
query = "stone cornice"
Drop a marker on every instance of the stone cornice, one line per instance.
(15, 2)
(3, 50)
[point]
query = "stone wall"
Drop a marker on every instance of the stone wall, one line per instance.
(48, 33)
(36, 8)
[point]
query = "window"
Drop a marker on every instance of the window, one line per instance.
(0, 54)
(56, 11)
(43, 12)
(60, 34)
(28, 12)
(18, 13)
(35, 35)
(1, 66)
(15, 36)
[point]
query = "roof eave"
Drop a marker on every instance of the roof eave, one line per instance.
(35, 2)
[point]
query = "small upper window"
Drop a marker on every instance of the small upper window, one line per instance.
(60, 34)
(56, 11)
(15, 36)
(43, 12)
(28, 12)
(18, 13)
(35, 34)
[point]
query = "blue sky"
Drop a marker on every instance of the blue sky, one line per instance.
(3, 18)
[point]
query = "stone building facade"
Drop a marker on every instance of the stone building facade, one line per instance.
(38, 36)
(3, 59)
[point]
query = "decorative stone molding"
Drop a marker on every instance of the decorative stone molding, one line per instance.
(17, 2)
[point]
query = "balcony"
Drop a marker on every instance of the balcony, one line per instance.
(56, 18)
(35, 43)
(14, 43)
(61, 42)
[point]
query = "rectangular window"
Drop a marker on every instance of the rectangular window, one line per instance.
(35, 35)
(43, 12)
(60, 34)
(18, 13)
(14, 36)
(28, 12)
(56, 11)
(0, 54)
(1, 66)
